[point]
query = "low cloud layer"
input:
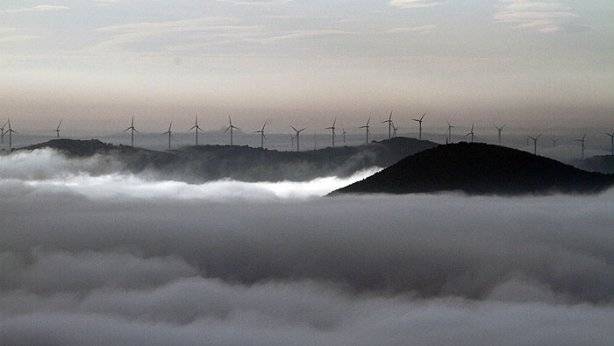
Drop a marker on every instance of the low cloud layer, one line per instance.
(103, 177)
(81, 267)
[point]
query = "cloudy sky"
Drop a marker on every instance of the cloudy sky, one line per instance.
(95, 62)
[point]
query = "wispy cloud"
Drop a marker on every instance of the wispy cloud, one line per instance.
(415, 3)
(256, 2)
(106, 2)
(541, 16)
(197, 33)
(422, 29)
(122, 36)
(11, 35)
(38, 8)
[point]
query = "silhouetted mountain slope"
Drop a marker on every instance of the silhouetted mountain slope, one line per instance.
(601, 164)
(480, 169)
(210, 162)
(74, 147)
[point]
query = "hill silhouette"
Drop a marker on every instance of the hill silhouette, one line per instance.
(212, 162)
(601, 164)
(480, 169)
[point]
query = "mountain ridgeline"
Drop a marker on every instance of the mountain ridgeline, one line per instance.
(480, 169)
(213, 162)
(602, 164)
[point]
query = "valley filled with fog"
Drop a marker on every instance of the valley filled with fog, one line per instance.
(90, 254)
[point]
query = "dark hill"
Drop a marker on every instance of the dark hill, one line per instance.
(601, 164)
(211, 162)
(74, 147)
(480, 169)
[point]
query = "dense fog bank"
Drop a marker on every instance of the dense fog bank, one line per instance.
(134, 261)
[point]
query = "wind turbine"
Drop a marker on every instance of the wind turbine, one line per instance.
(534, 139)
(132, 130)
(231, 128)
(170, 134)
(262, 135)
(2, 132)
(611, 135)
(499, 131)
(366, 127)
(343, 133)
(582, 142)
(196, 129)
(10, 131)
(554, 142)
(450, 127)
(471, 133)
(332, 131)
(419, 121)
(390, 125)
(315, 141)
(57, 130)
(298, 137)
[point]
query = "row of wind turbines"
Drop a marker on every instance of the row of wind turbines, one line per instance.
(7, 130)
(392, 131)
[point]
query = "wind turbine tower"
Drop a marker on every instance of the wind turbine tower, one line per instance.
(262, 135)
(231, 128)
(343, 134)
(315, 141)
(367, 126)
(390, 125)
(450, 127)
(10, 131)
(132, 130)
(298, 137)
(2, 132)
(534, 139)
(499, 133)
(170, 134)
(332, 131)
(471, 133)
(196, 129)
(611, 135)
(582, 142)
(395, 128)
(419, 121)
(57, 130)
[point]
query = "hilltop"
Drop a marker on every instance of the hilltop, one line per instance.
(480, 169)
(211, 162)
(601, 164)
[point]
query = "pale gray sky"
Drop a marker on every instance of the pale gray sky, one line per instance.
(94, 63)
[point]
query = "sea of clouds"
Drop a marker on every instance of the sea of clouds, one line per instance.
(90, 255)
